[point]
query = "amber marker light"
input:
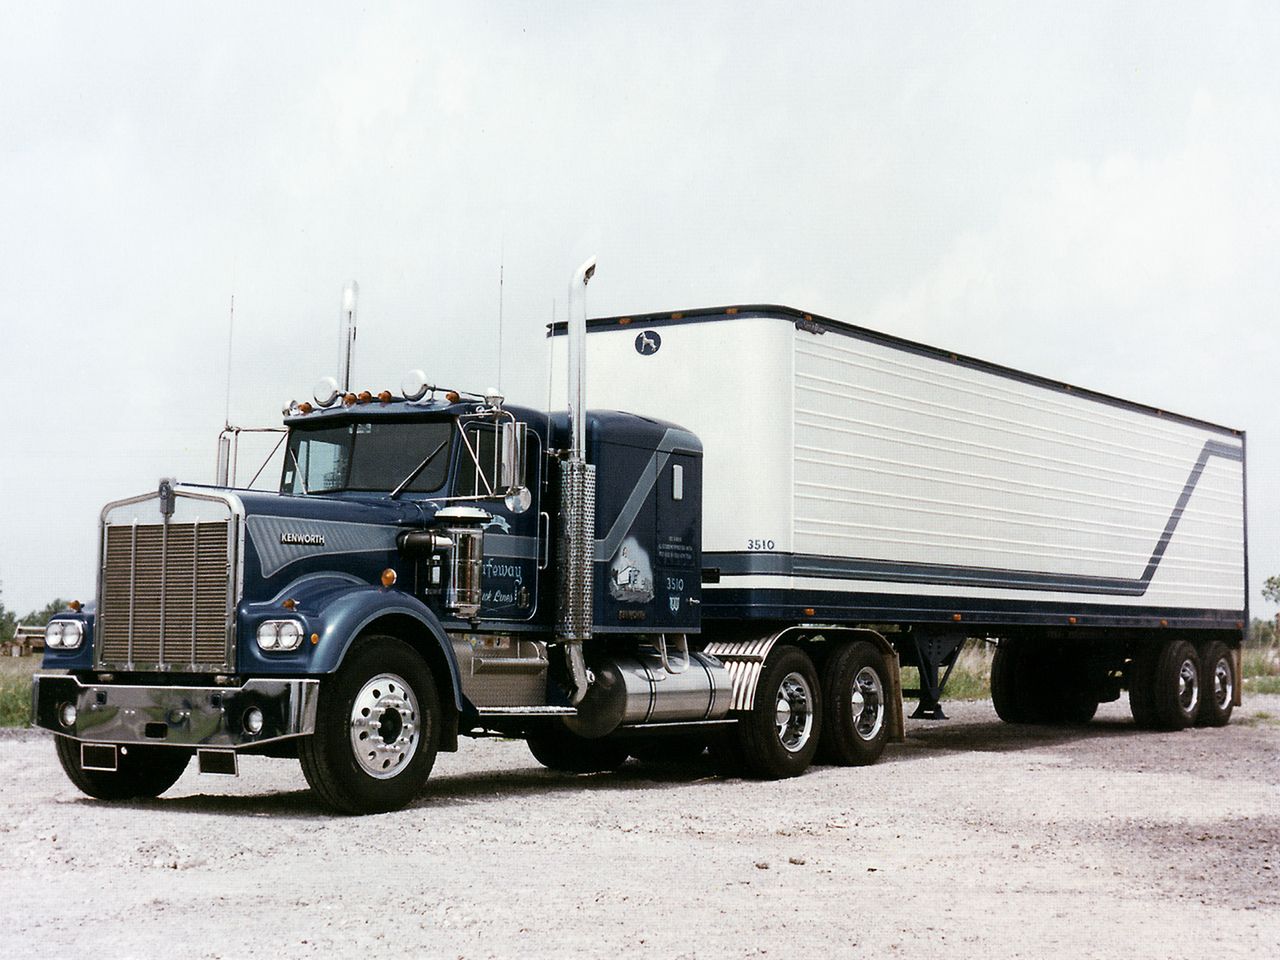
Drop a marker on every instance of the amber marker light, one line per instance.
(290, 604)
(315, 638)
(348, 399)
(388, 578)
(452, 396)
(1164, 623)
(1071, 620)
(75, 605)
(956, 616)
(365, 396)
(305, 407)
(623, 321)
(809, 612)
(384, 396)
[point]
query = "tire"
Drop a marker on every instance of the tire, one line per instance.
(1139, 679)
(1165, 688)
(141, 771)
(1008, 690)
(855, 706)
(558, 748)
(377, 731)
(1218, 684)
(780, 735)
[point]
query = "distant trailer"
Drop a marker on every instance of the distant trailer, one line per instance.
(853, 477)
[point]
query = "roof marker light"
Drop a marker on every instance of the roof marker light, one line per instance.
(384, 396)
(365, 397)
(348, 399)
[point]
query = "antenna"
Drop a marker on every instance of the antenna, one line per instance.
(550, 354)
(231, 326)
(502, 257)
(347, 325)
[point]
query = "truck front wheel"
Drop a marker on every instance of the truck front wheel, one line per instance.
(377, 730)
(779, 737)
(141, 771)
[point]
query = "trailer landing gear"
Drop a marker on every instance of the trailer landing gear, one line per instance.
(930, 653)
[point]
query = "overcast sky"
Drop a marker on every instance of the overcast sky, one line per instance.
(1087, 191)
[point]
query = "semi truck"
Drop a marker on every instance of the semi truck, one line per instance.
(763, 518)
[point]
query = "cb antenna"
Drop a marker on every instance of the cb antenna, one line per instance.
(231, 326)
(347, 328)
(502, 259)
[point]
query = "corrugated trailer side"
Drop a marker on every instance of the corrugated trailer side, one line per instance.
(866, 477)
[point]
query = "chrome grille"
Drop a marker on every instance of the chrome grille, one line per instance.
(165, 597)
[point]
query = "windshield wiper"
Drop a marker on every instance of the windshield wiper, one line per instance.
(413, 474)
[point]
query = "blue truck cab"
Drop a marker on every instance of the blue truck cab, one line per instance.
(404, 585)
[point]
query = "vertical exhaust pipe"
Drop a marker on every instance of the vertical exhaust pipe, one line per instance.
(577, 500)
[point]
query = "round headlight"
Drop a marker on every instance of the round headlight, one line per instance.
(268, 635)
(290, 635)
(67, 714)
(53, 635)
(253, 721)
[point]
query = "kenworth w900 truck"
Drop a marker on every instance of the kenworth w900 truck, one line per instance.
(765, 515)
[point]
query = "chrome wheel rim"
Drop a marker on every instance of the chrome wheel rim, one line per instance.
(793, 713)
(1223, 683)
(1188, 687)
(384, 726)
(867, 701)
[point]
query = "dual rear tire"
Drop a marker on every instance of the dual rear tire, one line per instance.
(1174, 685)
(840, 715)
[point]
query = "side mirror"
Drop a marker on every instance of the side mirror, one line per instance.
(512, 443)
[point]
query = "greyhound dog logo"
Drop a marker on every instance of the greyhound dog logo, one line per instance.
(648, 342)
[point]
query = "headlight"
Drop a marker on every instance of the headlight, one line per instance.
(64, 634)
(280, 635)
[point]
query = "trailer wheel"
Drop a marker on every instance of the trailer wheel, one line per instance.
(1218, 681)
(1014, 683)
(855, 709)
(141, 772)
(558, 748)
(377, 730)
(1165, 687)
(779, 737)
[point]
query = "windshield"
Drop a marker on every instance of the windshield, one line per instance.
(366, 456)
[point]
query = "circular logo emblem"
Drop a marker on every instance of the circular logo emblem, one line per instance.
(648, 342)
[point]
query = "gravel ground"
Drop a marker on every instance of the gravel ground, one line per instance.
(973, 837)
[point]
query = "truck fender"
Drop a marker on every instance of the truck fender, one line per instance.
(350, 613)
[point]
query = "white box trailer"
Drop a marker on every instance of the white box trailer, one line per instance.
(855, 477)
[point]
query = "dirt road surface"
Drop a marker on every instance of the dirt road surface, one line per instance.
(972, 839)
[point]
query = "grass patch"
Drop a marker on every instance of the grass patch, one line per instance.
(15, 689)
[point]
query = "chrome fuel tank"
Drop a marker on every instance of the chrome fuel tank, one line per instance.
(639, 689)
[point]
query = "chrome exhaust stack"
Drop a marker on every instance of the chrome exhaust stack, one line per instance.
(577, 500)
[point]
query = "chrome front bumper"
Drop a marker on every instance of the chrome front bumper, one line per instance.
(176, 716)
